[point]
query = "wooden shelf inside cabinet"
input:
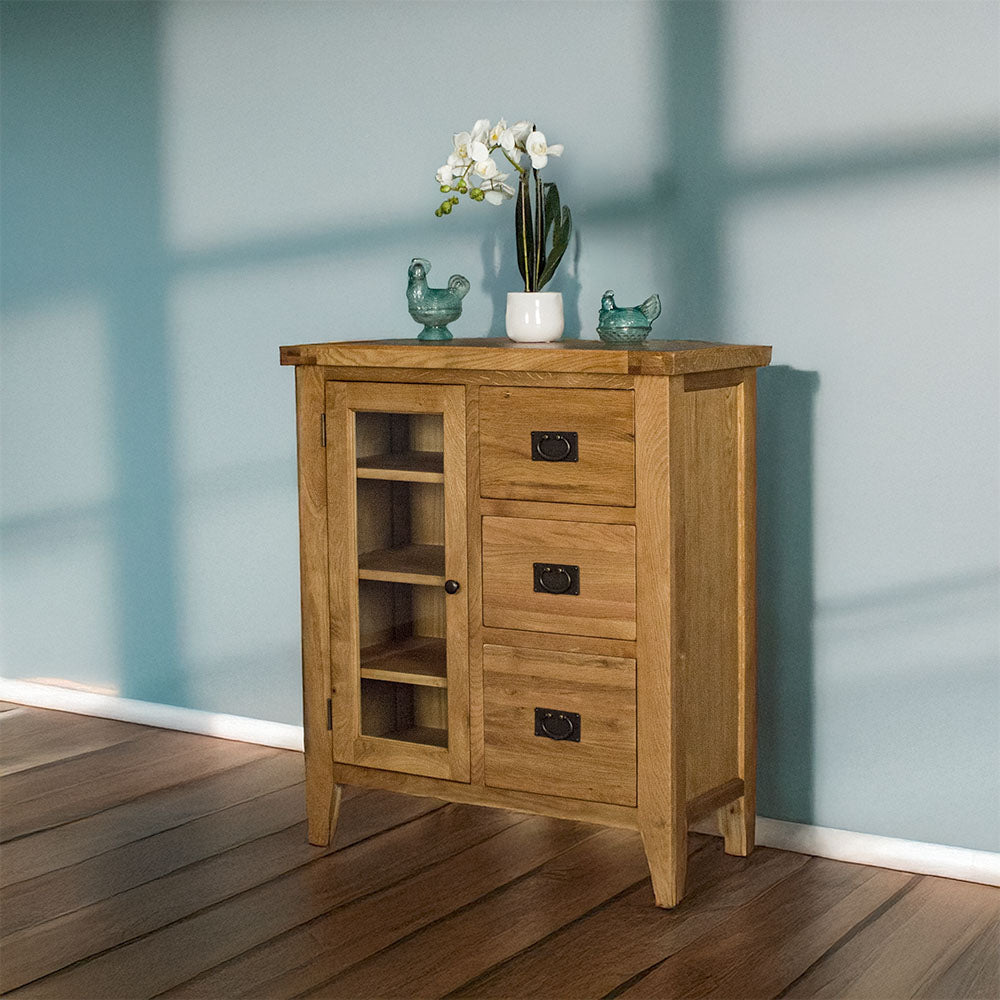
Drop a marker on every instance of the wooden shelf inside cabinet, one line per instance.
(420, 660)
(420, 564)
(407, 466)
(426, 735)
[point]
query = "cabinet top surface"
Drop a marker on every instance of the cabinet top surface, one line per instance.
(652, 357)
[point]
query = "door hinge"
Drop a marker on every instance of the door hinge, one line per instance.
(329, 713)
(322, 429)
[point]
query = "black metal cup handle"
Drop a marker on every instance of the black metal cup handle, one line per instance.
(554, 446)
(552, 578)
(557, 725)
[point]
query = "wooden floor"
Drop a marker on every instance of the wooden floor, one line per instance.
(141, 862)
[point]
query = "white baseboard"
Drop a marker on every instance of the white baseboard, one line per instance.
(882, 852)
(841, 845)
(188, 720)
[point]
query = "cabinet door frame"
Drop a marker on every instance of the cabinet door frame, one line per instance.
(350, 745)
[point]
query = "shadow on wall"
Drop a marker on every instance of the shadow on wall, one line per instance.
(785, 592)
(82, 214)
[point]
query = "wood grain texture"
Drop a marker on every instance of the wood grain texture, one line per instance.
(321, 796)
(601, 689)
(101, 832)
(340, 941)
(595, 955)
(447, 953)
(913, 948)
(708, 586)
(604, 472)
(604, 553)
(652, 357)
(793, 923)
(563, 643)
(660, 488)
(176, 898)
(48, 797)
(474, 590)
(179, 950)
(30, 738)
(603, 813)
(737, 820)
(557, 511)
(468, 376)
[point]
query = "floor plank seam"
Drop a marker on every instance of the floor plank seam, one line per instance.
(131, 801)
(478, 901)
(486, 973)
(150, 836)
(161, 875)
(219, 902)
(642, 974)
(136, 737)
(867, 921)
(476, 980)
(296, 928)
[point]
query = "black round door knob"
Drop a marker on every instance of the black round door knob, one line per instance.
(452, 586)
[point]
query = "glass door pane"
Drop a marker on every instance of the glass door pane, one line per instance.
(402, 609)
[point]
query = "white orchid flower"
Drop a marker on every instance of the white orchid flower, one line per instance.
(539, 151)
(480, 130)
(497, 131)
(462, 141)
(486, 169)
(521, 131)
(479, 151)
(445, 174)
(499, 192)
(509, 145)
(457, 162)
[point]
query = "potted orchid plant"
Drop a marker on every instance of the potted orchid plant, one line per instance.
(542, 225)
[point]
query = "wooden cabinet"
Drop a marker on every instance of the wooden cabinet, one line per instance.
(528, 581)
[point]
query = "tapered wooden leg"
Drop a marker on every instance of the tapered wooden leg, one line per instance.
(323, 808)
(736, 823)
(666, 855)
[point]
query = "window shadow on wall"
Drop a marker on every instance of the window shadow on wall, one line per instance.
(82, 221)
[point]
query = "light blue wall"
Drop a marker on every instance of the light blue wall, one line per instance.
(187, 186)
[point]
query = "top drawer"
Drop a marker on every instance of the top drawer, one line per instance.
(562, 445)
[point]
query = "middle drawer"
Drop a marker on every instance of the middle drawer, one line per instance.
(568, 577)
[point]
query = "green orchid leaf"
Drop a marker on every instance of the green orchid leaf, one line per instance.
(551, 209)
(560, 241)
(523, 233)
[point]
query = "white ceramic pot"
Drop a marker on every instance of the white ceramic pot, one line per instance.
(534, 317)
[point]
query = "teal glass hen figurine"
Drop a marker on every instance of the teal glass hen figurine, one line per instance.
(626, 325)
(434, 307)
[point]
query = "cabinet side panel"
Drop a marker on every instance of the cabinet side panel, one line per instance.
(320, 798)
(660, 485)
(711, 586)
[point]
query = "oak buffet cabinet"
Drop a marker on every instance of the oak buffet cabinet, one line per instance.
(528, 581)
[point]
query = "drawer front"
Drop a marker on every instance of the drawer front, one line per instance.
(560, 723)
(563, 445)
(559, 576)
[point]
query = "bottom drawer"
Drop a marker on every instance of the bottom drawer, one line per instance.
(560, 723)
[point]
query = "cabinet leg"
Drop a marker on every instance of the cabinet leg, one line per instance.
(736, 823)
(323, 808)
(666, 854)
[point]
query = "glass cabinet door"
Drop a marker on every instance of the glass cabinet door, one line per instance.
(398, 567)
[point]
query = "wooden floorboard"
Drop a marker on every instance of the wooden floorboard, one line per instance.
(142, 863)
(30, 737)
